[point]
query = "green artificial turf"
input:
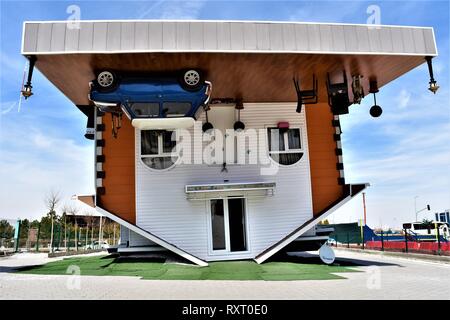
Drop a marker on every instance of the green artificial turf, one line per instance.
(158, 270)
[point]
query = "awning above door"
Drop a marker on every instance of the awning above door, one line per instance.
(209, 191)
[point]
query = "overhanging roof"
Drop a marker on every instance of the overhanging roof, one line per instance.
(255, 60)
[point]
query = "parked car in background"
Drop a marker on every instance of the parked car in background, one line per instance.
(97, 245)
(157, 96)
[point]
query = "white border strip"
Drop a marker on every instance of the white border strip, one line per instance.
(237, 21)
(378, 53)
(369, 26)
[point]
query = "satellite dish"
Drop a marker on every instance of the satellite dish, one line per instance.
(326, 254)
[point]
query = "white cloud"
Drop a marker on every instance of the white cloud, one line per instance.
(8, 106)
(319, 12)
(180, 10)
(36, 162)
(403, 98)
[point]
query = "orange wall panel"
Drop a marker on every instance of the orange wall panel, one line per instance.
(322, 157)
(119, 168)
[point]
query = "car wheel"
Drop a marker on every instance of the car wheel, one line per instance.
(192, 80)
(106, 80)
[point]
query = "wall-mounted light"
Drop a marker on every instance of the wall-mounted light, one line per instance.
(375, 110)
(433, 84)
(27, 88)
(239, 125)
(207, 125)
(283, 126)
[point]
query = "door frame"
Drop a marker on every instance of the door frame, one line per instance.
(226, 251)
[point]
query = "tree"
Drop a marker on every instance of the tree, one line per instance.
(51, 201)
(6, 230)
(71, 210)
(34, 224)
(429, 224)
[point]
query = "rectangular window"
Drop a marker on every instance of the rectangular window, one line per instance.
(285, 146)
(168, 141)
(176, 109)
(294, 139)
(218, 224)
(149, 142)
(276, 139)
(145, 109)
(288, 140)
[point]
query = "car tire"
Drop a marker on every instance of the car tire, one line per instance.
(106, 81)
(191, 79)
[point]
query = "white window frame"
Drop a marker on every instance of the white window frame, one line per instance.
(286, 150)
(160, 154)
(227, 250)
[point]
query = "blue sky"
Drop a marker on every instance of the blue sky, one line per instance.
(403, 154)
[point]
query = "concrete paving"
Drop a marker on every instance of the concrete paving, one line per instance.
(382, 277)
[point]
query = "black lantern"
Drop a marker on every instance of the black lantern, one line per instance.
(239, 125)
(433, 87)
(375, 110)
(207, 125)
(27, 88)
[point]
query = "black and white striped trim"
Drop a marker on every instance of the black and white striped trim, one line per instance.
(99, 156)
(338, 151)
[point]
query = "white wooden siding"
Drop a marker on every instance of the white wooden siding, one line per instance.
(135, 240)
(224, 36)
(162, 207)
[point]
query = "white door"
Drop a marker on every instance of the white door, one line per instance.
(228, 225)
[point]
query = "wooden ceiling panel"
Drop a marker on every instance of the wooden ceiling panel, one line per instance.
(257, 77)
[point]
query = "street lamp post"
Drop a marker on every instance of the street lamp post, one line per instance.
(427, 207)
(415, 206)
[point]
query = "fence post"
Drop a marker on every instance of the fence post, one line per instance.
(68, 241)
(348, 241)
(382, 241)
(37, 237)
(17, 235)
(439, 239)
(59, 237)
(406, 241)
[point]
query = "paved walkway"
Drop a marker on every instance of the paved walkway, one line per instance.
(382, 277)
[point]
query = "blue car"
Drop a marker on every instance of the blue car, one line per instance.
(155, 97)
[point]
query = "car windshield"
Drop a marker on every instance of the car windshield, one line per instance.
(176, 109)
(145, 109)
